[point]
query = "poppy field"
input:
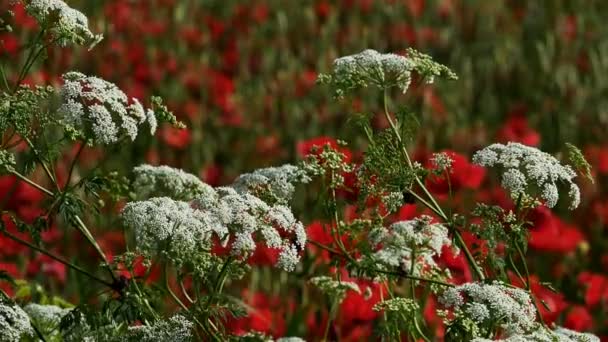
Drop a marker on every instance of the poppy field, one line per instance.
(348, 170)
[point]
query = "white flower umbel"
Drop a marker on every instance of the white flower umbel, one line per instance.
(371, 67)
(274, 182)
(156, 181)
(442, 161)
(173, 227)
(492, 304)
(543, 335)
(247, 219)
(14, 323)
(383, 70)
(528, 170)
(97, 106)
(68, 25)
(418, 238)
(184, 229)
(175, 329)
(334, 289)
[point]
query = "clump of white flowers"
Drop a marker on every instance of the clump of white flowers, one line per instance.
(510, 308)
(383, 70)
(334, 289)
(409, 245)
(559, 334)
(170, 226)
(442, 161)
(156, 181)
(14, 322)
(527, 170)
(274, 183)
(232, 214)
(175, 329)
(67, 24)
(248, 218)
(92, 104)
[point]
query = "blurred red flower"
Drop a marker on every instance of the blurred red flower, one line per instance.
(463, 174)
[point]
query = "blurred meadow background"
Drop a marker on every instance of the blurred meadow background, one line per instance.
(242, 76)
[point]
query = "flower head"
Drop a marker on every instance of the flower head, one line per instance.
(154, 181)
(67, 24)
(486, 304)
(14, 322)
(175, 329)
(527, 170)
(100, 107)
(404, 240)
(383, 70)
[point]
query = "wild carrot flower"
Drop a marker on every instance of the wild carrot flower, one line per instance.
(94, 105)
(154, 181)
(383, 70)
(409, 245)
(527, 170)
(486, 304)
(67, 24)
(14, 322)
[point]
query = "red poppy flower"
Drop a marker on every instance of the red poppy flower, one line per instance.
(595, 287)
(175, 137)
(549, 233)
(516, 129)
(578, 318)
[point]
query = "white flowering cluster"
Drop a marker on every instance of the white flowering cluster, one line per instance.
(387, 70)
(66, 23)
(543, 335)
(486, 304)
(247, 217)
(184, 229)
(526, 168)
(163, 224)
(371, 67)
(46, 317)
(175, 329)
(442, 161)
(275, 182)
(418, 238)
(14, 323)
(156, 181)
(335, 289)
(93, 104)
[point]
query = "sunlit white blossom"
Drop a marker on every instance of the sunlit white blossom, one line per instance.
(528, 170)
(511, 307)
(276, 181)
(154, 181)
(67, 24)
(175, 329)
(92, 104)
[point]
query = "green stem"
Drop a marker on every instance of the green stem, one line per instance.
(332, 312)
(32, 183)
(434, 206)
(41, 161)
(528, 288)
(4, 79)
(54, 257)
